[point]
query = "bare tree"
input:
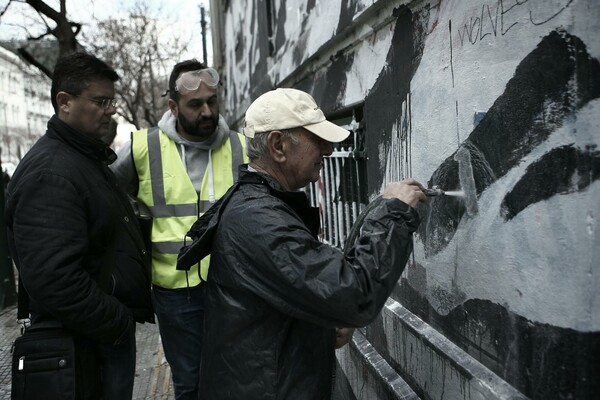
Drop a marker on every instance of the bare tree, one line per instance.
(56, 24)
(143, 54)
(137, 46)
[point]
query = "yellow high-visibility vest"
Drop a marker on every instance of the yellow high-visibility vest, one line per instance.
(167, 194)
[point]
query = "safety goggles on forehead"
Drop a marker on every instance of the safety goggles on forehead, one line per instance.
(191, 80)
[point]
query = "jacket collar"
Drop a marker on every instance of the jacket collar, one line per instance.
(298, 200)
(203, 230)
(92, 148)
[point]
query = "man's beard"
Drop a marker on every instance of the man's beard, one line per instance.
(192, 127)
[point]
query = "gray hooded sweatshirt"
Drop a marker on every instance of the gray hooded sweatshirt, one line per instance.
(194, 155)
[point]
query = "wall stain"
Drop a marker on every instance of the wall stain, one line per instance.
(328, 87)
(260, 80)
(280, 35)
(383, 104)
(349, 8)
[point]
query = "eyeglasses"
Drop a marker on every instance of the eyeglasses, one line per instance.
(104, 103)
(191, 80)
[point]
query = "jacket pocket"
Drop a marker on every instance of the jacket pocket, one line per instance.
(130, 284)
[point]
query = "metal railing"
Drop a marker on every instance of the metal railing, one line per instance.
(338, 192)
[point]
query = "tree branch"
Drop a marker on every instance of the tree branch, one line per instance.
(30, 59)
(45, 9)
(40, 37)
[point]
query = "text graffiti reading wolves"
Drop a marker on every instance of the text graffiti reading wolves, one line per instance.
(499, 17)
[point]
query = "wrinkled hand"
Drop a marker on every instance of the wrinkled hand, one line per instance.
(343, 336)
(408, 190)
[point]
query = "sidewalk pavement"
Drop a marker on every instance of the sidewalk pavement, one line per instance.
(152, 377)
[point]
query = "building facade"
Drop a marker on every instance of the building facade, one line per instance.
(496, 102)
(25, 106)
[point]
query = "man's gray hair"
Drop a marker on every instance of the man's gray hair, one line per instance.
(257, 148)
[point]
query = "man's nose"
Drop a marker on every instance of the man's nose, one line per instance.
(205, 110)
(327, 148)
(110, 110)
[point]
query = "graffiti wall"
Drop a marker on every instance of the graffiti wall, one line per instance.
(497, 102)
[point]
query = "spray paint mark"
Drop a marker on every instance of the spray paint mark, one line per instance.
(349, 10)
(467, 182)
(563, 170)
(328, 88)
(551, 84)
(451, 60)
(495, 19)
(560, 76)
(549, 18)
(255, 61)
(387, 101)
(457, 128)
(281, 36)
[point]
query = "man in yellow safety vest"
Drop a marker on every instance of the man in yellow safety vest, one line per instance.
(176, 171)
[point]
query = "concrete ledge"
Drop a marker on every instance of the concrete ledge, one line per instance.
(369, 375)
(436, 366)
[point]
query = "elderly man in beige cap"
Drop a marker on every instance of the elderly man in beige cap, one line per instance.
(275, 294)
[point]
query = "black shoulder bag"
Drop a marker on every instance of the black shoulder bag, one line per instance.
(49, 363)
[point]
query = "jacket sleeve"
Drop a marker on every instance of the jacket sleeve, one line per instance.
(287, 267)
(124, 170)
(49, 231)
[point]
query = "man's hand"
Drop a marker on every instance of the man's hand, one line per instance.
(408, 190)
(343, 336)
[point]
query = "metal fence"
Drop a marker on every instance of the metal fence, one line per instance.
(341, 189)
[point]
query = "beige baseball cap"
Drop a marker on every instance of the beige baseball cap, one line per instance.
(287, 108)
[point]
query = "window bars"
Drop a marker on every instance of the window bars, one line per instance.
(341, 191)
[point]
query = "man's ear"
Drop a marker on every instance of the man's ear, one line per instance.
(63, 102)
(173, 107)
(277, 146)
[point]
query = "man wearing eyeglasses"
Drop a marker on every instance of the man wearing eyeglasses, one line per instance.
(176, 171)
(74, 236)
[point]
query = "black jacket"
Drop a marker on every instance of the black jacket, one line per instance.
(74, 238)
(275, 293)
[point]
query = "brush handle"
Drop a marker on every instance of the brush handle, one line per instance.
(433, 192)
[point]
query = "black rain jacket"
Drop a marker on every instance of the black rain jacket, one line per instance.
(275, 293)
(74, 238)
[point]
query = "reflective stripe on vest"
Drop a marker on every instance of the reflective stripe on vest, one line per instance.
(167, 193)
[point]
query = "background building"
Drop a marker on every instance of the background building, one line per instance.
(25, 106)
(495, 99)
